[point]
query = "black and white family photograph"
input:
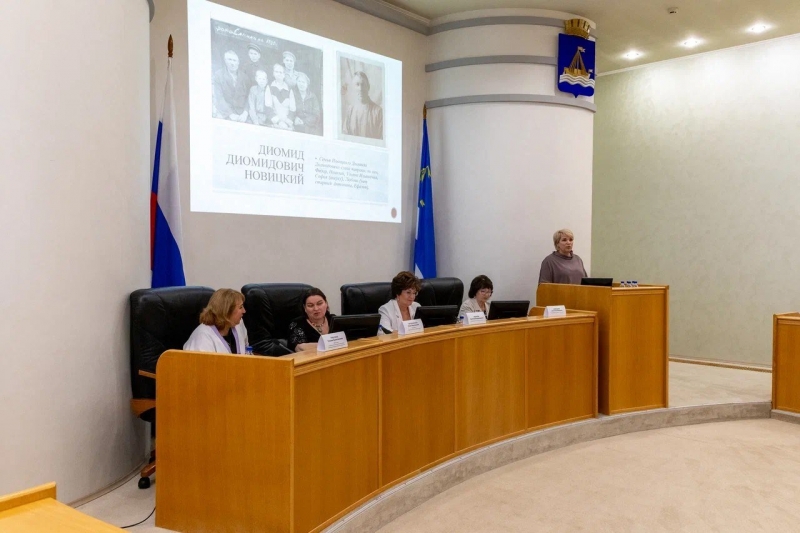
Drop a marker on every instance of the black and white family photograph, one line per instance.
(362, 100)
(266, 81)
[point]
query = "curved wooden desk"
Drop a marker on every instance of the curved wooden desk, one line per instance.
(294, 443)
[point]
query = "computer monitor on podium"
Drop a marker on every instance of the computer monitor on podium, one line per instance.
(600, 282)
(509, 309)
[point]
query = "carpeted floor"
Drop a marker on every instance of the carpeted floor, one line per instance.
(729, 476)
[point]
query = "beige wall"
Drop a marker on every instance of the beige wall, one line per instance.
(231, 250)
(74, 143)
(696, 185)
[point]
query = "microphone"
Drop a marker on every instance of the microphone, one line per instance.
(383, 329)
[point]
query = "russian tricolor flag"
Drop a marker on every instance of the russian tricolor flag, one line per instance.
(165, 200)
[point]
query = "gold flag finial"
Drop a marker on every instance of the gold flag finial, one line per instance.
(424, 111)
(169, 46)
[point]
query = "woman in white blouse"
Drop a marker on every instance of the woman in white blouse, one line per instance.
(221, 329)
(480, 290)
(405, 287)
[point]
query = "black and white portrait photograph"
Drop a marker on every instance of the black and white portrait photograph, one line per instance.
(361, 110)
(265, 81)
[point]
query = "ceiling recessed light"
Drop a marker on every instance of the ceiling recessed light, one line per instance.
(691, 42)
(758, 28)
(633, 54)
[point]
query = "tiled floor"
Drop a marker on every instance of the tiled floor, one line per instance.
(689, 385)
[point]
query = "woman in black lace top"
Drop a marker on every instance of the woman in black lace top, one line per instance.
(305, 330)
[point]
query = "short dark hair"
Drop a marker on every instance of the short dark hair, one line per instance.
(405, 280)
(480, 282)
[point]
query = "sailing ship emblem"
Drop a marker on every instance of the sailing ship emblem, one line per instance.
(576, 73)
(576, 55)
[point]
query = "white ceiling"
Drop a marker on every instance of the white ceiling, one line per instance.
(645, 25)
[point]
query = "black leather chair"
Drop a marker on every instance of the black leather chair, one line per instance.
(363, 298)
(270, 308)
(161, 319)
(446, 291)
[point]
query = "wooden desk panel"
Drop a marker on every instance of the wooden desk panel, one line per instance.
(336, 439)
(490, 387)
(224, 456)
(638, 362)
(562, 374)
(633, 332)
(786, 362)
(50, 515)
(417, 408)
(36, 510)
(589, 298)
(345, 425)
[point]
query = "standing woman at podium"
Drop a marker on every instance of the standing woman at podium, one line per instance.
(402, 306)
(562, 266)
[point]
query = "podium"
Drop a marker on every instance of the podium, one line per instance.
(786, 362)
(633, 335)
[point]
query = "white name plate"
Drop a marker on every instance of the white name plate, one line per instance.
(477, 317)
(410, 326)
(332, 341)
(555, 310)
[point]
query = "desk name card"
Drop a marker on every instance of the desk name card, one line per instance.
(477, 317)
(410, 326)
(332, 341)
(555, 310)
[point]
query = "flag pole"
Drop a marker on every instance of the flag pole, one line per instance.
(424, 111)
(169, 46)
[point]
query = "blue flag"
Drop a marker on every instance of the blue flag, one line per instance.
(424, 244)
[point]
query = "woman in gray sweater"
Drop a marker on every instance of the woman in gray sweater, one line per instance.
(562, 266)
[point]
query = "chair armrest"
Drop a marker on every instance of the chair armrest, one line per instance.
(140, 405)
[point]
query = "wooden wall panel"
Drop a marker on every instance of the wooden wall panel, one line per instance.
(786, 362)
(490, 386)
(336, 439)
(587, 298)
(417, 391)
(562, 374)
(224, 453)
(638, 351)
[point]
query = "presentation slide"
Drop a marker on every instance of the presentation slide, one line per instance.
(288, 123)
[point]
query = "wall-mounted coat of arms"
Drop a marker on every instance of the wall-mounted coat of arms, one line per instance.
(576, 59)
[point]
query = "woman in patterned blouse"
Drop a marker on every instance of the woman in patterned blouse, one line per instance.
(305, 330)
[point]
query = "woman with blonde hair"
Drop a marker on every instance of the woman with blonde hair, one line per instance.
(221, 329)
(562, 266)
